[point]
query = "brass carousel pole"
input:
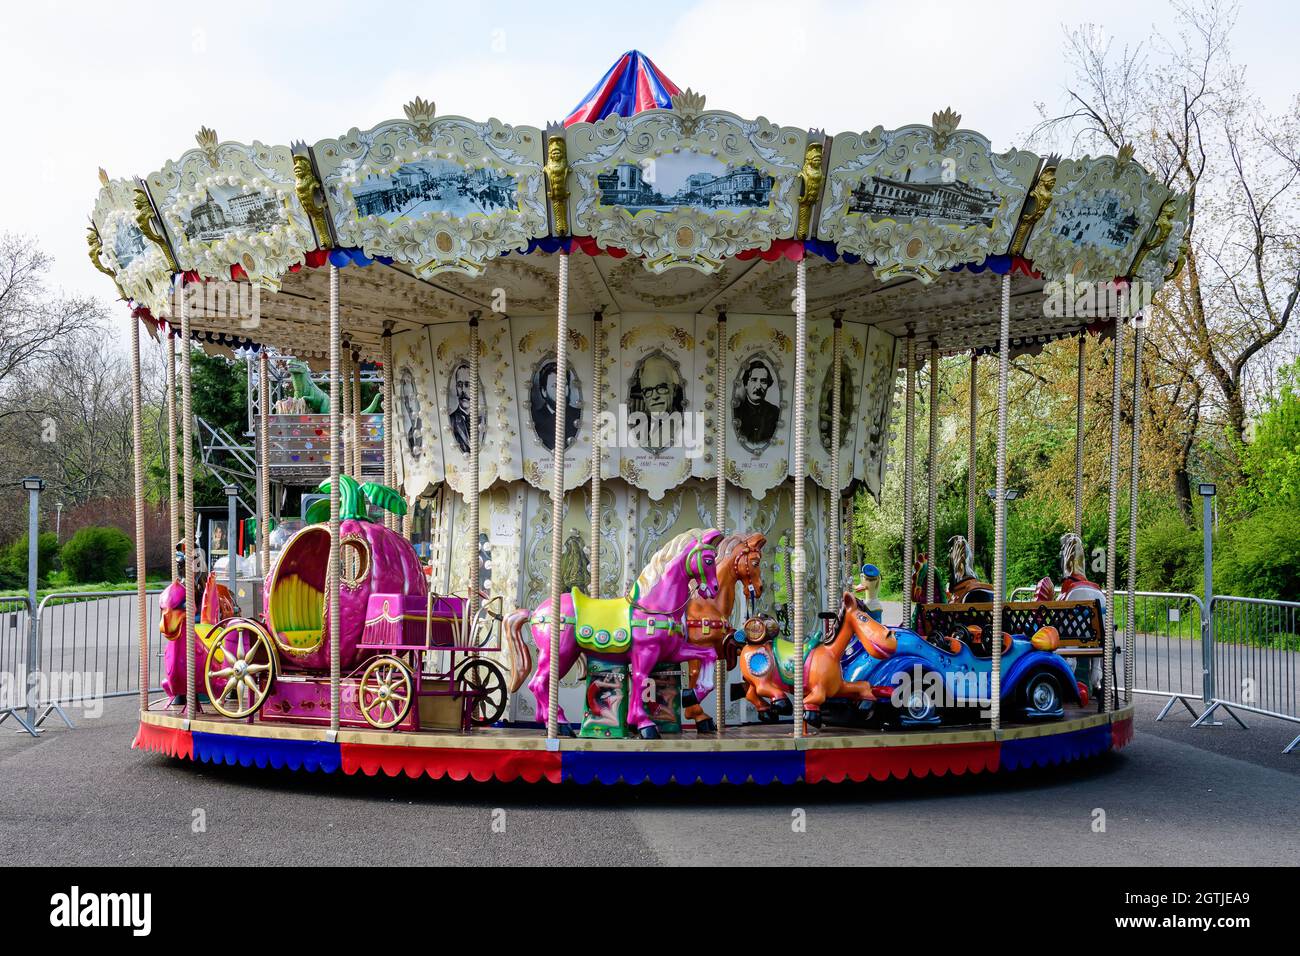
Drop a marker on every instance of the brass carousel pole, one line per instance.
(909, 451)
(1000, 500)
(557, 496)
(1112, 516)
(141, 572)
(971, 454)
(799, 559)
(1130, 624)
(932, 481)
(336, 470)
(187, 463)
(475, 440)
(1078, 437)
(833, 588)
(597, 408)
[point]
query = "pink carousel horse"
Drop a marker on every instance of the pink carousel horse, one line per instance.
(644, 629)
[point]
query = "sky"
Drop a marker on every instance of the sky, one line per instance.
(126, 85)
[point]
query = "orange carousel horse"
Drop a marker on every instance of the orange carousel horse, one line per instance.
(708, 620)
(767, 662)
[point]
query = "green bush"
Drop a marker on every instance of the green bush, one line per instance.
(1170, 555)
(13, 559)
(1259, 556)
(96, 554)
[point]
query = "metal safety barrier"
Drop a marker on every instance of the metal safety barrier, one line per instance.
(1255, 660)
(1168, 653)
(89, 648)
(15, 630)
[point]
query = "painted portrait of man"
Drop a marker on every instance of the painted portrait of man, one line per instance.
(755, 404)
(656, 387)
(458, 402)
(542, 403)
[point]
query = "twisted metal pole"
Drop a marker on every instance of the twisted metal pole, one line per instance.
(475, 443)
(1130, 625)
(336, 470)
(932, 480)
(971, 474)
(597, 409)
(1078, 437)
(833, 590)
(173, 468)
(141, 565)
(909, 452)
(1000, 502)
(263, 464)
(799, 558)
(187, 461)
(557, 498)
(356, 414)
(1112, 516)
(390, 462)
(720, 494)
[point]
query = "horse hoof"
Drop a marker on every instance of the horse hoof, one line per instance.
(706, 726)
(783, 706)
(689, 699)
(649, 733)
(813, 718)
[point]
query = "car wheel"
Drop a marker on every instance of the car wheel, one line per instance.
(1043, 696)
(919, 708)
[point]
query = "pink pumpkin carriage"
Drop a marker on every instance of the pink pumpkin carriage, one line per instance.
(398, 645)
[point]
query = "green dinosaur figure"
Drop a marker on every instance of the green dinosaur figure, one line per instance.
(317, 399)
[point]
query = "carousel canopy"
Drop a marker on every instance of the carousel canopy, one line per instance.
(631, 85)
(679, 210)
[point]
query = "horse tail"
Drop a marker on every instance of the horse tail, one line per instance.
(521, 657)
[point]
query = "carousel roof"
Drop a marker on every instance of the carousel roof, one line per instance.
(666, 210)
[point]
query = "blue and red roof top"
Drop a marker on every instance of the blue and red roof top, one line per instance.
(632, 84)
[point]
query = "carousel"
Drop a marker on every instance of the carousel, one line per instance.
(634, 368)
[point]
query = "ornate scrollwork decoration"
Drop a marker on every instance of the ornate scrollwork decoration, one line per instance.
(421, 113)
(1157, 235)
(1035, 204)
(206, 137)
(96, 247)
(311, 195)
(148, 224)
(557, 181)
(813, 180)
(945, 124)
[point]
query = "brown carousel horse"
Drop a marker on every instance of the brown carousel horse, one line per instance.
(708, 620)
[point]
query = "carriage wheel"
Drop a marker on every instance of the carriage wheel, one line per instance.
(240, 668)
(485, 681)
(384, 694)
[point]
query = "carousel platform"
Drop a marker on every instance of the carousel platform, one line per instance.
(748, 753)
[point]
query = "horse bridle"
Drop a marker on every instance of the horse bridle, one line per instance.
(694, 568)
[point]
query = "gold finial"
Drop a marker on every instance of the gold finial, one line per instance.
(688, 102)
(144, 219)
(103, 177)
(420, 112)
(311, 196)
(1035, 204)
(813, 179)
(1125, 156)
(557, 178)
(945, 124)
(206, 137)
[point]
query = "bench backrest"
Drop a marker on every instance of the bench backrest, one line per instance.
(1078, 622)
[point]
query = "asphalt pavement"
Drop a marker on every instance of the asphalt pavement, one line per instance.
(1211, 796)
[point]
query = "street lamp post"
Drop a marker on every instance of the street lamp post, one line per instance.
(34, 487)
(1011, 494)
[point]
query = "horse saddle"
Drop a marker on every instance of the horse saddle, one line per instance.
(971, 590)
(783, 651)
(602, 625)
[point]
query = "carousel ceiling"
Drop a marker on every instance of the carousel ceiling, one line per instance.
(681, 211)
